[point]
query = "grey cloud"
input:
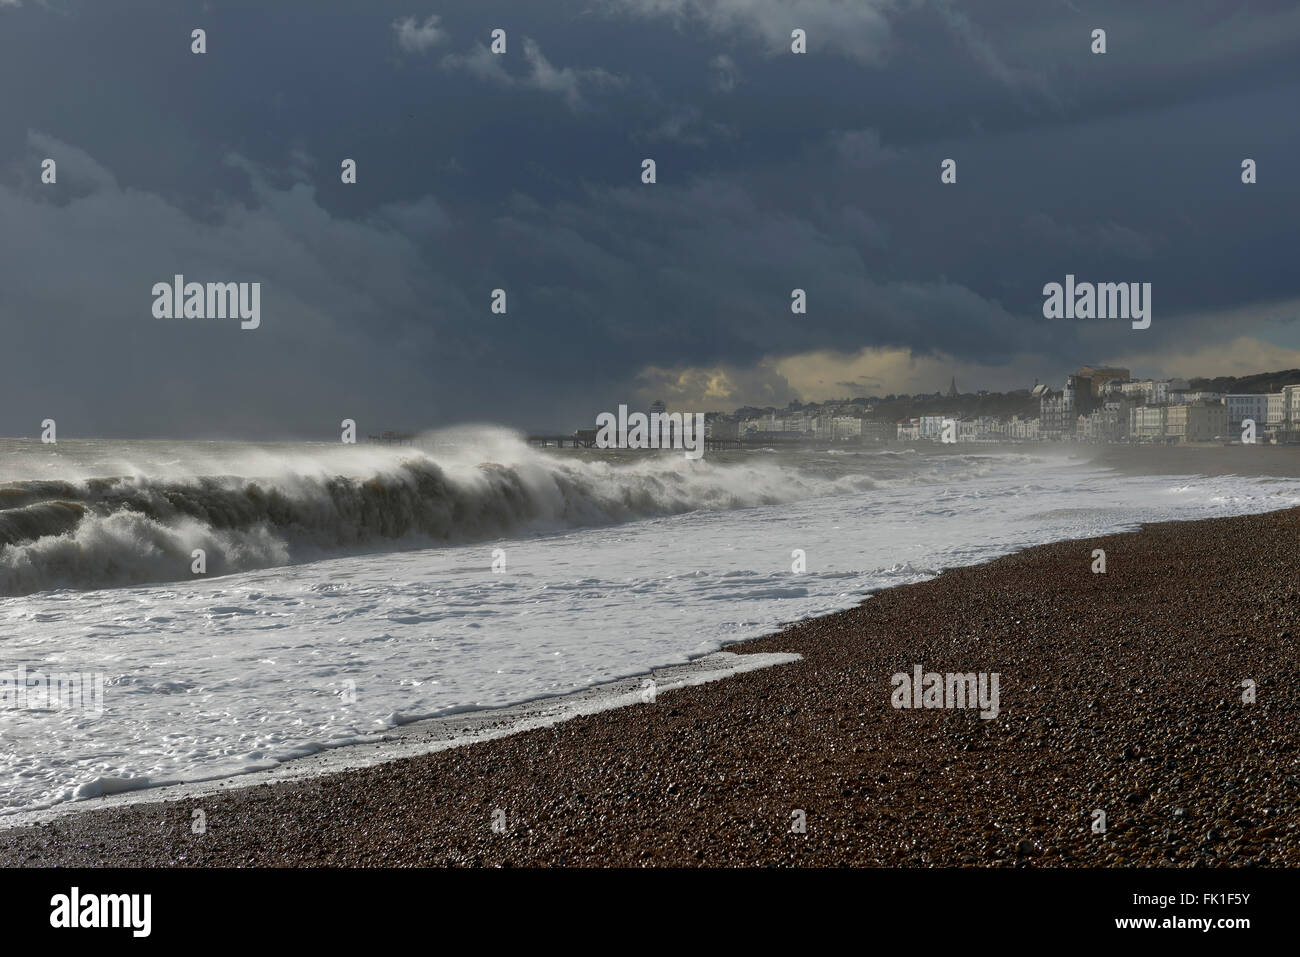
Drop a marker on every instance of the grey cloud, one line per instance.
(724, 75)
(688, 126)
(566, 82)
(861, 148)
(416, 37)
(818, 172)
(331, 290)
(859, 30)
(1124, 241)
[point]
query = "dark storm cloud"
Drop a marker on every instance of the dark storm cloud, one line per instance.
(523, 172)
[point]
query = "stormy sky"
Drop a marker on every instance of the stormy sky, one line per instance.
(522, 171)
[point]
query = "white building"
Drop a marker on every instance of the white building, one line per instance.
(931, 426)
(1147, 422)
(845, 427)
(1155, 391)
(1024, 430)
(982, 428)
(1276, 414)
(1291, 405)
(1110, 423)
(798, 422)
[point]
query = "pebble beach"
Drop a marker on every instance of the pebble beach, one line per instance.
(1120, 692)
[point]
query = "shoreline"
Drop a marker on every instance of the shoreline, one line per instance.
(424, 736)
(1120, 692)
(476, 724)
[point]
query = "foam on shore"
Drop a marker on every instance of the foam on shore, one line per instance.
(419, 737)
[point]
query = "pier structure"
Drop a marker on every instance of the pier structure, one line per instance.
(388, 437)
(586, 439)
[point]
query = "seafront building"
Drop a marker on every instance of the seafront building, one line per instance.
(1276, 409)
(1196, 422)
(1253, 407)
(1099, 379)
(1147, 423)
(1096, 404)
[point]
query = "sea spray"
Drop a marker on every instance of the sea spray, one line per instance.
(140, 528)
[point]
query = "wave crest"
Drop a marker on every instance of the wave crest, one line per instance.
(103, 532)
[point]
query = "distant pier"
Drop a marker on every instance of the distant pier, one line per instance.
(577, 440)
(586, 439)
(392, 438)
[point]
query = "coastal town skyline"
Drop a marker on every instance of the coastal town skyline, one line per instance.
(1094, 403)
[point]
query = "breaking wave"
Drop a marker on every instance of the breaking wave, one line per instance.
(137, 529)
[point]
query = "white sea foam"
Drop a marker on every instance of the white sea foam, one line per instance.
(613, 565)
(256, 509)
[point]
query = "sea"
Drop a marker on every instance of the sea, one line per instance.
(239, 605)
